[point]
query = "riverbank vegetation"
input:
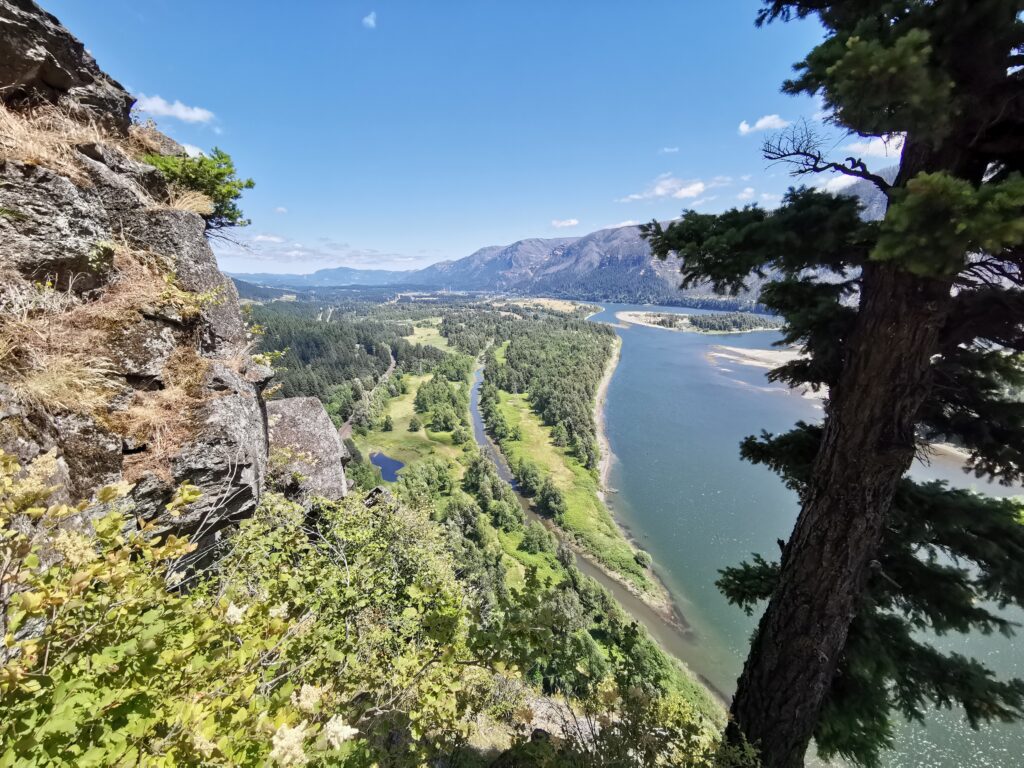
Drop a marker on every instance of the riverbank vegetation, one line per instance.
(715, 322)
(537, 399)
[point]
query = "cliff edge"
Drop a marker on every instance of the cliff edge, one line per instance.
(123, 352)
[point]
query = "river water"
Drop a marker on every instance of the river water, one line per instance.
(674, 421)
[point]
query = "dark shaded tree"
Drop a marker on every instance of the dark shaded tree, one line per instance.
(914, 324)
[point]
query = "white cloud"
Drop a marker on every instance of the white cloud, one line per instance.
(880, 146)
(370, 20)
(746, 194)
(668, 185)
(563, 223)
(626, 223)
(265, 252)
(280, 209)
(159, 106)
(838, 183)
(668, 150)
(192, 150)
(766, 123)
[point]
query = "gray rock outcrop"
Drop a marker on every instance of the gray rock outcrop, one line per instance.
(41, 62)
(122, 346)
(307, 455)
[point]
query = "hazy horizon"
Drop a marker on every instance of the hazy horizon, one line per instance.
(397, 135)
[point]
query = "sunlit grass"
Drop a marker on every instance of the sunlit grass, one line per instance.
(587, 518)
(429, 336)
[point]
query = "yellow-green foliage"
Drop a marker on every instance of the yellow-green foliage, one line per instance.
(337, 642)
(341, 636)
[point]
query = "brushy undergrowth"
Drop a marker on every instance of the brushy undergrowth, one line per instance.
(342, 635)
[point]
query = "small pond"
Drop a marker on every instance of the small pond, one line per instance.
(388, 467)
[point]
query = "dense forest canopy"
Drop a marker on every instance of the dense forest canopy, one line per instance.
(559, 361)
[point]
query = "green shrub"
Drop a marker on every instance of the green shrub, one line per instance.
(537, 540)
(212, 175)
(287, 653)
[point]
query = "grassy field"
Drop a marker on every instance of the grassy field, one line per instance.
(411, 447)
(587, 518)
(402, 444)
(430, 335)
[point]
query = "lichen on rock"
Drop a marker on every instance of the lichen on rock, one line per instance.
(306, 453)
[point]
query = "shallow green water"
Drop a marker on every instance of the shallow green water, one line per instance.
(674, 421)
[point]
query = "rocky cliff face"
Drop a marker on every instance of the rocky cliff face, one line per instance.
(123, 354)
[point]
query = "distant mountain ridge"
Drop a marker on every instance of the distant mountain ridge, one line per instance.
(609, 264)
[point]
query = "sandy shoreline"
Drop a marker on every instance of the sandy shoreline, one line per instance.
(772, 358)
(604, 447)
(767, 359)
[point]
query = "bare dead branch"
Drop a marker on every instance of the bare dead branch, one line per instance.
(801, 147)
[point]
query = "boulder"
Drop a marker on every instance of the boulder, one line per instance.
(306, 453)
(42, 63)
(54, 228)
(140, 350)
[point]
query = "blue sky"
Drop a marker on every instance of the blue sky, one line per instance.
(393, 134)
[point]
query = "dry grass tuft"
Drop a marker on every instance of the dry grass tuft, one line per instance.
(163, 420)
(46, 137)
(146, 139)
(64, 381)
(48, 337)
(189, 200)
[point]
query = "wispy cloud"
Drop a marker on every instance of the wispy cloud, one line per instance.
(266, 252)
(370, 20)
(280, 209)
(564, 223)
(746, 194)
(766, 123)
(667, 185)
(668, 150)
(192, 150)
(159, 106)
(626, 223)
(880, 146)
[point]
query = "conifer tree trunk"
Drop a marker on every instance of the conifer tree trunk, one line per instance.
(868, 445)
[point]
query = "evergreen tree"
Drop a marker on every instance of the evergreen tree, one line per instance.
(914, 325)
(414, 424)
(388, 425)
(550, 501)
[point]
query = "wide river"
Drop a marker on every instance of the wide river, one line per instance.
(674, 420)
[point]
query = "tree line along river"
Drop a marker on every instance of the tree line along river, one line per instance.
(674, 420)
